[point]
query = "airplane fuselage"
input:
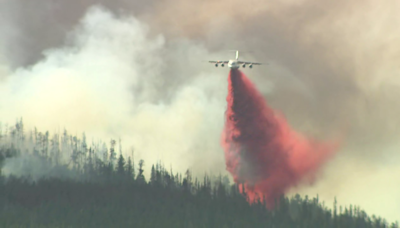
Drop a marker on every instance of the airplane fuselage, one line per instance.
(233, 64)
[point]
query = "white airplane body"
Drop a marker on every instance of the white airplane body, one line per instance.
(234, 63)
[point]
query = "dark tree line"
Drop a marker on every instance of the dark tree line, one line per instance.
(95, 186)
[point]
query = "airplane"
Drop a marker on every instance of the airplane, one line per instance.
(234, 63)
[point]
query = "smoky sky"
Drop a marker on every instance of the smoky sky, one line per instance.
(41, 24)
(324, 45)
(333, 66)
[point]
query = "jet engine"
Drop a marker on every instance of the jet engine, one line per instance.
(222, 65)
(216, 65)
(251, 65)
(244, 66)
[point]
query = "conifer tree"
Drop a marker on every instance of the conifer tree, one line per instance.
(121, 166)
(133, 164)
(152, 175)
(113, 155)
(140, 177)
(129, 169)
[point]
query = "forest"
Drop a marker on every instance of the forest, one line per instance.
(94, 185)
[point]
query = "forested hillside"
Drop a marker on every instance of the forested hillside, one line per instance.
(84, 185)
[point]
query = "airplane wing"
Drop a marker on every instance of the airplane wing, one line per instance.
(218, 62)
(240, 62)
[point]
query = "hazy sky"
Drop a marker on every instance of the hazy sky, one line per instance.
(136, 70)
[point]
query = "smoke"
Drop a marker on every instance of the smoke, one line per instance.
(261, 150)
(106, 81)
(27, 166)
(333, 68)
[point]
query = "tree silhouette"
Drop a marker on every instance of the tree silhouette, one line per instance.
(84, 189)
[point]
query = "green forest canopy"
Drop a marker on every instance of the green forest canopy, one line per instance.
(93, 186)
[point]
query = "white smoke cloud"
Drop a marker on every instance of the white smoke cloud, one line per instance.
(107, 82)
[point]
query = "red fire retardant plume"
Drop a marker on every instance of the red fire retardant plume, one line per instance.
(262, 152)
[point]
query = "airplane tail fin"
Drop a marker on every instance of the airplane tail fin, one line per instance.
(237, 53)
